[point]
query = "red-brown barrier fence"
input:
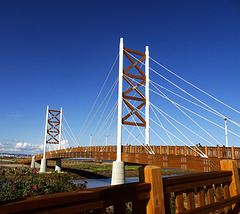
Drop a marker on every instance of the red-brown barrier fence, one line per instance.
(210, 192)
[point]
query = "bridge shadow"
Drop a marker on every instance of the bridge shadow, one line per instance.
(82, 173)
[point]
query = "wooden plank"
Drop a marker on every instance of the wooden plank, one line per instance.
(190, 199)
(234, 187)
(184, 182)
(210, 196)
(135, 76)
(214, 206)
(134, 87)
(219, 196)
(134, 98)
(133, 62)
(226, 194)
(135, 52)
(153, 175)
(179, 205)
(200, 196)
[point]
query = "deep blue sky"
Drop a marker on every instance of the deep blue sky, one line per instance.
(58, 53)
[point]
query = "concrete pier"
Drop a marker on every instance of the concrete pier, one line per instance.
(34, 164)
(58, 166)
(118, 173)
(43, 165)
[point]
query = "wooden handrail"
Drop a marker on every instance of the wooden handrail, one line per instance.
(81, 200)
(153, 195)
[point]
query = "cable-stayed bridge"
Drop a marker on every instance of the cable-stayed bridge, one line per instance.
(156, 117)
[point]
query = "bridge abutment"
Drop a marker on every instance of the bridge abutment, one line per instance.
(58, 166)
(33, 162)
(118, 173)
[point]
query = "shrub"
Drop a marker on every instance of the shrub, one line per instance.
(24, 182)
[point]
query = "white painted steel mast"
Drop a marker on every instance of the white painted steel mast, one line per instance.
(120, 90)
(226, 131)
(147, 133)
(118, 168)
(43, 166)
(45, 137)
(60, 130)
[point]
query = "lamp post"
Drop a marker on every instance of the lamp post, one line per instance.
(225, 118)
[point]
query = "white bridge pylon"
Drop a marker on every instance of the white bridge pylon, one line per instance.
(122, 95)
(118, 172)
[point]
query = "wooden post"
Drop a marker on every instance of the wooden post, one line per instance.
(206, 150)
(168, 150)
(234, 187)
(160, 152)
(218, 152)
(130, 149)
(153, 175)
(233, 152)
(154, 149)
(176, 150)
(185, 150)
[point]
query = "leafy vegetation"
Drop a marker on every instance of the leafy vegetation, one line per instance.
(17, 183)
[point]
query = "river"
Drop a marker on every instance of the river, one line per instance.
(100, 182)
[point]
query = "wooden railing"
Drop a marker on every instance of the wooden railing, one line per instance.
(210, 192)
(204, 192)
(211, 152)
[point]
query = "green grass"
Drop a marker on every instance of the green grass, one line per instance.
(100, 167)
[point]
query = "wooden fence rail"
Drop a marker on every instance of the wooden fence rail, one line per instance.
(201, 193)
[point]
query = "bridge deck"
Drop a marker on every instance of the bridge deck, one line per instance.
(180, 157)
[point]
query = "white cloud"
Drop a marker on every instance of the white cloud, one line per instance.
(64, 145)
(22, 147)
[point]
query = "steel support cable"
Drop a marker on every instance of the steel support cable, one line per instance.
(196, 105)
(108, 128)
(98, 96)
(181, 88)
(159, 136)
(98, 135)
(112, 136)
(134, 140)
(203, 155)
(184, 98)
(97, 110)
(162, 126)
(194, 85)
(112, 90)
(180, 105)
(137, 140)
(221, 115)
(111, 113)
(137, 119)
(116, 116)
(195, 113)
(64, 136)
(150, 149)
(70, 130)
(158, 109)
(158, 120)
(134, 119)
(186, 92)
(187, 115)
(112, 120)
(70, 136)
